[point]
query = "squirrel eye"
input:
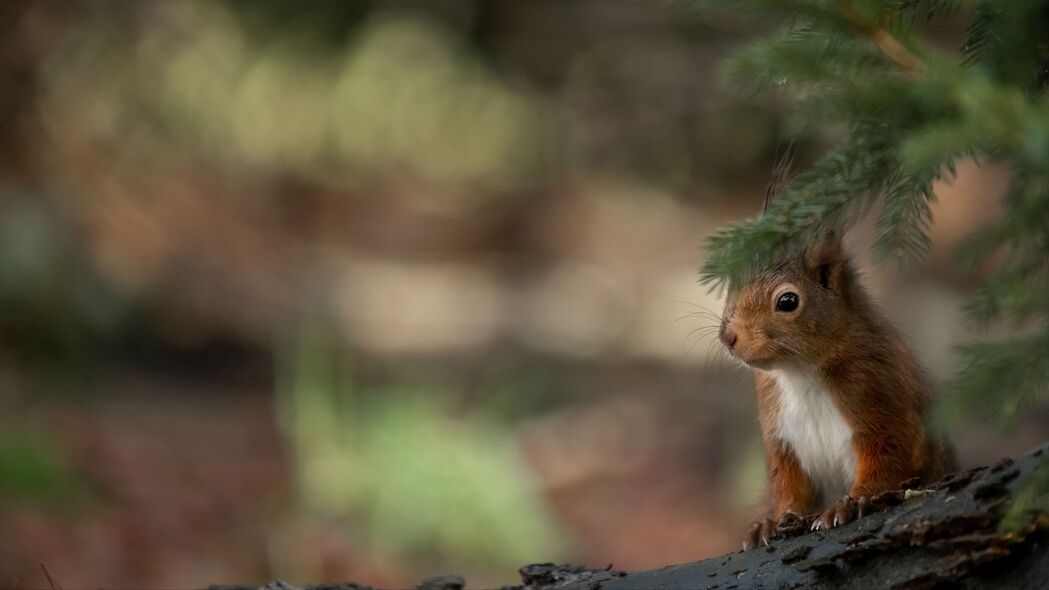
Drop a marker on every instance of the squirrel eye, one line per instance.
(787, 302)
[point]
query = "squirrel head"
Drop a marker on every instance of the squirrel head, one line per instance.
(788, 314)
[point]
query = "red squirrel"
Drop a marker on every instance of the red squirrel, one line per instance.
(841, 399)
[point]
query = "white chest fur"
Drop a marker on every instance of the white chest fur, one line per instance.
(817, 432)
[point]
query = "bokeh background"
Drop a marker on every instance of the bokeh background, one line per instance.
(377, 290)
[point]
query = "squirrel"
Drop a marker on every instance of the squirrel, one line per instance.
(841, 398)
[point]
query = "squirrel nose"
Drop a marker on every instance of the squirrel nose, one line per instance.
(728, 337)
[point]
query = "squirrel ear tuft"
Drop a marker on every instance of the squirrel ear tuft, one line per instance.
(825, 258)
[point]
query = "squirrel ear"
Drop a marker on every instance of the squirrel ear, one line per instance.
(825, 259)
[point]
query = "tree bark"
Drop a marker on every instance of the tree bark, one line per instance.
(946, 535)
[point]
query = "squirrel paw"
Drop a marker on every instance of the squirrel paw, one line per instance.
(790, 522)
(760, 532)
(763, 529)
(842, 511)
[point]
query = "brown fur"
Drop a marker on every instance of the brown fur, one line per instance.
(871, 374)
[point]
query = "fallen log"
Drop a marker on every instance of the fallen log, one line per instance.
(946, 535)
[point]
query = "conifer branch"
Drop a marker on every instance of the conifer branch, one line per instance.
(839, 67)
(884, 40)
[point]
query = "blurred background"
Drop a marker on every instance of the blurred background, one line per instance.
(379, 290)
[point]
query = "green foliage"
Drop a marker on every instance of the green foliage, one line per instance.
(905, 113)
(33, 469)
(406, 473)
(396, 91)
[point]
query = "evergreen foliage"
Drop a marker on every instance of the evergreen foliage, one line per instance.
(906, 111)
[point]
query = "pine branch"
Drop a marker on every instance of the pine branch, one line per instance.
(882, 38)
(842, 66)
(932, 9)
(834, 192)
(901, 230)
(1016, 371)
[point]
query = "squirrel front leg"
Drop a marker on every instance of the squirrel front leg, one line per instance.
(791, 488)
(881, 465)
(791, 496)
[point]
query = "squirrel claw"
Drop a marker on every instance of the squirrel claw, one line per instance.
(841, 512)
(760, 532)
(863, 506)
(763, 530)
